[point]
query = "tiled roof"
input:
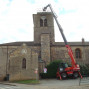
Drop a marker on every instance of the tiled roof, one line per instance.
(72, 43)
(29, 43)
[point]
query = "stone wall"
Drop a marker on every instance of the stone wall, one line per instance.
(16, 72)
(60, 53)
(49, 29)
(11, 64)
(45, 48)
(6, 55)
(3, 62)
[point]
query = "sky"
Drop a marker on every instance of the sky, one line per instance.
(16, 21)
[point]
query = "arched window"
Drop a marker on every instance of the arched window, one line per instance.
(24, 63)
(45, 22)
(78, 53)
(41, 22)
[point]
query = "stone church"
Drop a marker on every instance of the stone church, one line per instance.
(25, 60)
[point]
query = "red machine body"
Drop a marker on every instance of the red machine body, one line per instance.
(64, 70)
(74, 70)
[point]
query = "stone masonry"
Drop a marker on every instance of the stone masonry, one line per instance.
(45, 48)
(15, 64)
(39, 52)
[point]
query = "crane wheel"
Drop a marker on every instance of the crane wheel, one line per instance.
(63, 75)
(75, 74)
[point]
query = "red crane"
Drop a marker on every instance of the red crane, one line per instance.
(63, 69)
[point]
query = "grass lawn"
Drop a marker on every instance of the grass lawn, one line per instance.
(27, 81)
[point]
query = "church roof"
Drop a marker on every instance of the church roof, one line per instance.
(72, 43)
(29, 43)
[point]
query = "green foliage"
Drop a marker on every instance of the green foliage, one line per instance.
(51, 69)
(84, 69)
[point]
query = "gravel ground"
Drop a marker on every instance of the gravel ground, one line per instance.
(62, 87)
(53, 87)
(57, 84)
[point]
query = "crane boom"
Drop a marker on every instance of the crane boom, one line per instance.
(64, 38)
(75, 69)
(59, 26)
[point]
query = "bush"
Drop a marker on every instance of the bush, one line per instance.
(84, 69)
(51, 70)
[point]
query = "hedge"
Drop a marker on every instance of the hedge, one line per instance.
(52, 69)
(84, 69)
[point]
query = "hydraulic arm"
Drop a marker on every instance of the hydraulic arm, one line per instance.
(61, 31)
(75, 67)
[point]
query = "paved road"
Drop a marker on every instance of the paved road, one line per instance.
(18, 86)
(49, 84)
(55, 82)
(8, 87)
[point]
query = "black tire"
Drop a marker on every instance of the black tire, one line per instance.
(64, 75)
(75, 74)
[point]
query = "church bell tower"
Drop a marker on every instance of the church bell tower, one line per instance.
(44, 33)
(43, 24)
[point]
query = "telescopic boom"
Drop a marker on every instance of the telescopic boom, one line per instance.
(61, 31)
(59, 26)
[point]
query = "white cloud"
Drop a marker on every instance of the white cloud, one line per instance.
(75, 24)
(16, 23)
(19, 17)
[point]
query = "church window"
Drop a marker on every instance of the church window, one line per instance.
(24, 63)
(78, 53)
(43, 21)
